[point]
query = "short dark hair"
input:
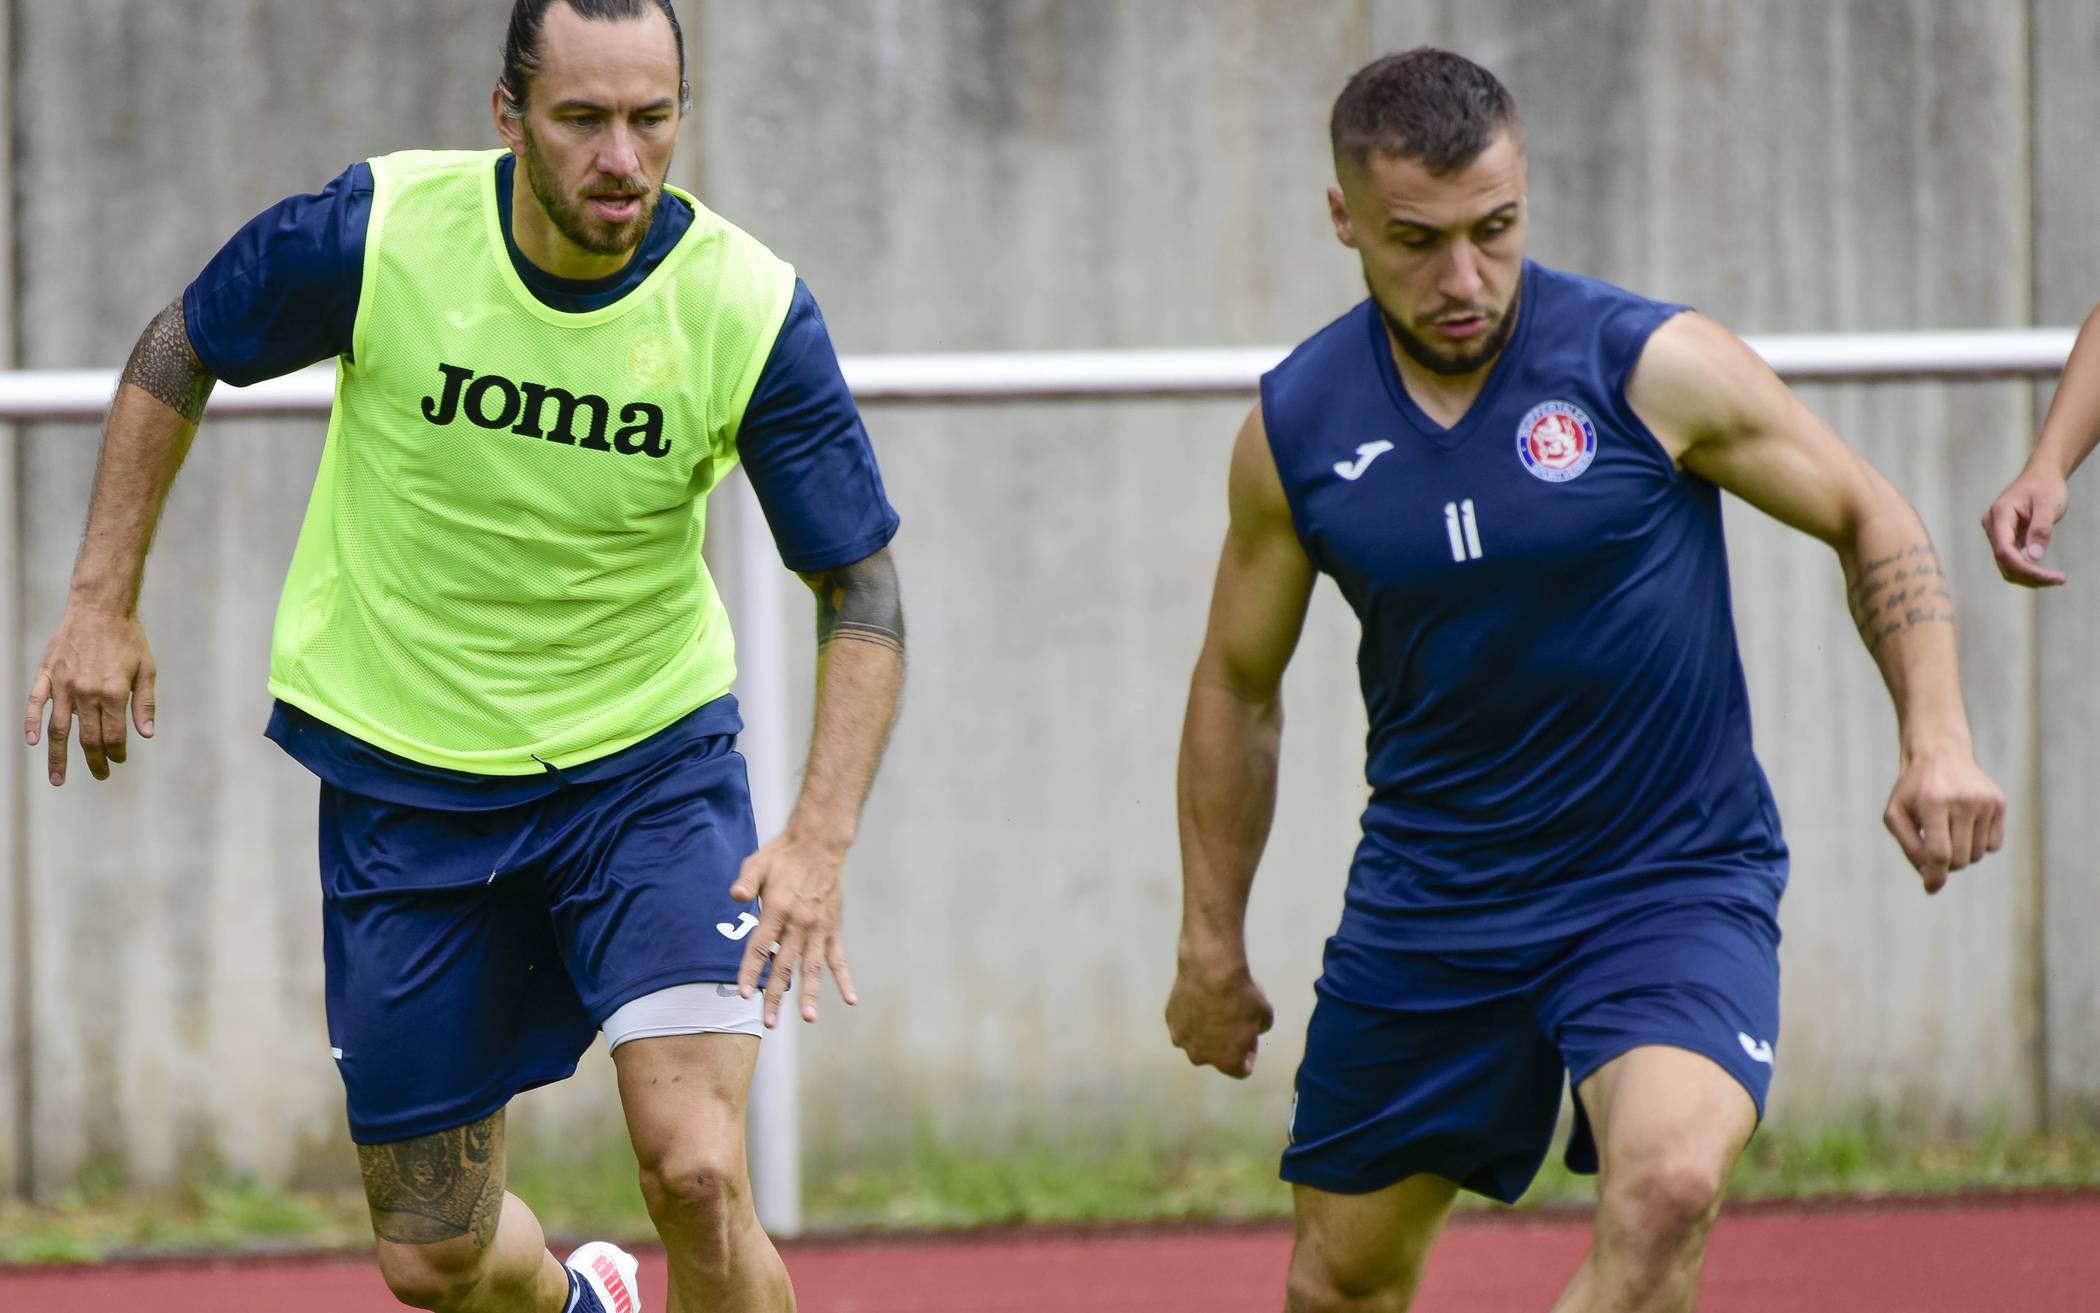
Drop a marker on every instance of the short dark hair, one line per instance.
(528, 21)
(1427, 105)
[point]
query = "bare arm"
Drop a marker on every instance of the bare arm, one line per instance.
(2020, 522)
(860, 674)
(1727, 418)
(1230, 743)
(99, 659)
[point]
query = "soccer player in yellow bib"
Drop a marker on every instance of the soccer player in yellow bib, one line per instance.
(499, 648)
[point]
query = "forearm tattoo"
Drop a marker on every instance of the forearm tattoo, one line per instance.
(1898, 593)
(861, 603)
(435, 1187)
(166, 365)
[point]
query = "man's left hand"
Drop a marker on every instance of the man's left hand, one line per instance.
(2019, 525)
(1946, 813)
(798, 930)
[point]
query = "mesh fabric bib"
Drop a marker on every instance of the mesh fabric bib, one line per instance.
(500, 565)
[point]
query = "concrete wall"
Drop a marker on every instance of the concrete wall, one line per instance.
(1026, 173)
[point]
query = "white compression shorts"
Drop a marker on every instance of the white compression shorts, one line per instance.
(712, 1008)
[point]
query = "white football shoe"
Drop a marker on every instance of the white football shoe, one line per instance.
(610, 1273)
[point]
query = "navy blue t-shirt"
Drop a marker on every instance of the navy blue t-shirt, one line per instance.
(283, 294)
(1558, 717)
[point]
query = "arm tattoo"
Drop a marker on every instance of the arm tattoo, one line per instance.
(166, 365)
(436, 1187)
(860, 603)
(1898, 593)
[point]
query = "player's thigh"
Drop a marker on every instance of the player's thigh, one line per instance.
(1353, 1248)
(1669, 1124)
(1415, 1065)
(685, 1098)
(1672, 1011)
(639, 873)
(435, 1200)
(445, 991)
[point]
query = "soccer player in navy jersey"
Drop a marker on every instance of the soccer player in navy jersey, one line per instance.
(2020, 523)
(500, 651)
(1571, 862)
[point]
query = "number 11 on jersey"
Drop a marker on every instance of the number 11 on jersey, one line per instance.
(1463, 529)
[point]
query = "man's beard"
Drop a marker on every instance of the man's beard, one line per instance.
(1422, 354)
(572, 220)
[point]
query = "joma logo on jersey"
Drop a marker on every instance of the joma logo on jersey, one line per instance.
(534, 410)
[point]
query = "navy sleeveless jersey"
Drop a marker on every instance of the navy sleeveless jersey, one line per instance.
(1559, 727)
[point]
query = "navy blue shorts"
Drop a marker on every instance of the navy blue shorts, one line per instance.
(473, 955)
(1453, 1063)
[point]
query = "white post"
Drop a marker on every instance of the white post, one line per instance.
(770, 750)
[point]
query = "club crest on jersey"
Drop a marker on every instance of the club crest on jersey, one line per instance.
(1556, 441)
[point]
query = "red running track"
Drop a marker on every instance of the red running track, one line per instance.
(2029, 1255)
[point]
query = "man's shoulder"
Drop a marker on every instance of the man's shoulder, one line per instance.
(743, 279)
(1307, 376)
(1562, 291)
(708, 226)
(406, 167)
(1581, 313)
(1342, 334)
(1339, 344)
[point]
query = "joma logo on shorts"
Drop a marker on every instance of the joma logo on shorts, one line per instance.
(494, 402)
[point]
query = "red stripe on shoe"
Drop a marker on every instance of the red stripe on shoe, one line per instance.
(615, 1285)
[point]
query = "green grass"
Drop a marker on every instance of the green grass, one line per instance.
(591, 1192)
(97, 1218)
(935, 1186)
(1864, 1161)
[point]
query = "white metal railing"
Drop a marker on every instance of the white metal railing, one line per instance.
(1007, 377)
(83, 394)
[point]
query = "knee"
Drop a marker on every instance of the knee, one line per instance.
(441, 1277)
(697, 1183)
(1317, 1284)
(1666, 1204)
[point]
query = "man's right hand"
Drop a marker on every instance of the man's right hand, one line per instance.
(2019, 524)
(97, 663)
(1217, 1016)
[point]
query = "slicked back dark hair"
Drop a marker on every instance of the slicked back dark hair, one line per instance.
(524, 45)
(1427, 105)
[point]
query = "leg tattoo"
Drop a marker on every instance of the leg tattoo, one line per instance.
(436, 1187)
